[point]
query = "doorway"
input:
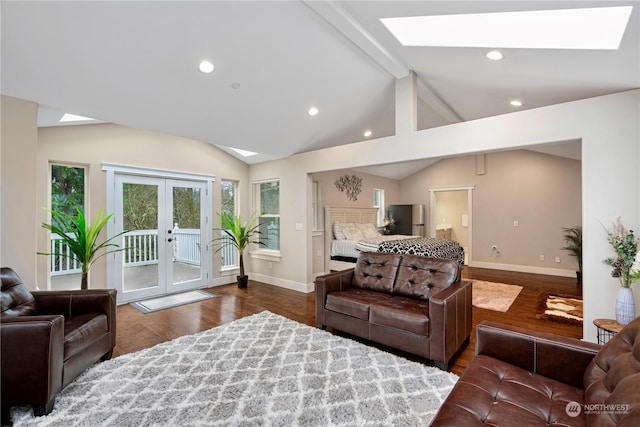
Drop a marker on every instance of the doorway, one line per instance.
(165, 248)
(451, 216)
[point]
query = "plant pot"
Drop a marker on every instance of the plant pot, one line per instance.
(625, 306)
(242, 281)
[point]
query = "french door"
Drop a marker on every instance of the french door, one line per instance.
(166, 241)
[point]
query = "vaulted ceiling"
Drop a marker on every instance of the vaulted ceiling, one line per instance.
(136, 64)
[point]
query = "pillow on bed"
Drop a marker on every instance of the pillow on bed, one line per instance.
(352, 233)
(338, 227)
(368, 230)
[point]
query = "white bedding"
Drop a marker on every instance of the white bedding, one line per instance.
(371, 245)
(344, 248)
(352, 248)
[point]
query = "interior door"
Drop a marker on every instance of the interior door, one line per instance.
(163, 246)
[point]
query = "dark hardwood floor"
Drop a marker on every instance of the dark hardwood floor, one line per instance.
(137, 331)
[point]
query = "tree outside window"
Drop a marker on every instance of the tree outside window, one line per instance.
(67, 189)
(228, 198)
(269, 202)
(229, 255)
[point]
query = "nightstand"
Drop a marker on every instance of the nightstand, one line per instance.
(607, 328)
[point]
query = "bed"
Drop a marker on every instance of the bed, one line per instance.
(350, 230)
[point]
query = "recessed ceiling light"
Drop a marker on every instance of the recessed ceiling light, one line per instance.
(367, 133)
(244, 153)
(206, 67)
(587, 28)
(73, 118)
(495, 55)
(313, 111)
(516, 103)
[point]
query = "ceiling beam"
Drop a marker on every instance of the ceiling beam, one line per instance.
(344, 22)
(338, 17)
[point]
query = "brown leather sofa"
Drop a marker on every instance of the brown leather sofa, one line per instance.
(49, 338)
(409, 302)
(524, 378)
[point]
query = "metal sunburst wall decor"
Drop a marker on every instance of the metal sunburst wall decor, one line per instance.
(351, 185)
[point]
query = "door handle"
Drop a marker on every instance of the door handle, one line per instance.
(170, 239)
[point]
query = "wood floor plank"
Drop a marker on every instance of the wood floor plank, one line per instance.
(136, 331)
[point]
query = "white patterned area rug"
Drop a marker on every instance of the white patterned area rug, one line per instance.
(260, 370)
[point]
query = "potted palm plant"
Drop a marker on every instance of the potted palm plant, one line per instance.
(81, 239)
(573, 244)
(234, 233)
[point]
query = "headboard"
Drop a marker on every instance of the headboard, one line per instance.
(343, 214)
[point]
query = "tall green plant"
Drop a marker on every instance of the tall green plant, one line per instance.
(573, 242)
(234, 233)
(81, 239)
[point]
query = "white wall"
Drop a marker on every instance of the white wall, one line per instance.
(18, 142)
(608, 127)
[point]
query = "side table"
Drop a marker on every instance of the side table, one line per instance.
(607, 328)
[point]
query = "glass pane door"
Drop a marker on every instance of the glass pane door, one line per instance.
(186, 234)
(165, 240)
(140, 211)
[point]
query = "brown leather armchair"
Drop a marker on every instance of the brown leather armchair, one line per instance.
(49, 338)
(521, 377)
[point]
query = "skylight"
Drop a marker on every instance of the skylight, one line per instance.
(590, 28)
(73, 118)
(243, 153)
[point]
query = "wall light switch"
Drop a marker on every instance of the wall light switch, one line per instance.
(299, 226)
(541, 257)
(516, 224)
(557, 259)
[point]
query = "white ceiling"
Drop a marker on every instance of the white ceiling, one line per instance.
(136, 64)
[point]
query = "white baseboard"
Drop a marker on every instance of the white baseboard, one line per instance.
(224, 280)
(524, 269)
(287, 284)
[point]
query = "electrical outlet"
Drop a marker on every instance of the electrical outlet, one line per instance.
(541, 257)
(557, 259)
(516, 224)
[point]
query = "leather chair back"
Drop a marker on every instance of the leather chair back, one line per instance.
(376, 271)
(420, 277)
(15, 298)
(612, 380)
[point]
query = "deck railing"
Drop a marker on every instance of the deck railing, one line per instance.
(142, 249)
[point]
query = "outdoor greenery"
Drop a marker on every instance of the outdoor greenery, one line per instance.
(67, 189)
(140, 207)
(228, 198)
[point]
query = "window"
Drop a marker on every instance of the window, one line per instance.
(378, 202)
(67, 196)
(228, 197)
(229, 255)
(67, 189)
(268, 201)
